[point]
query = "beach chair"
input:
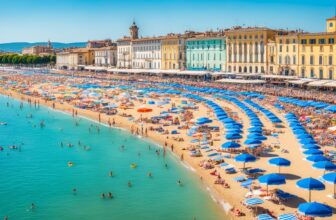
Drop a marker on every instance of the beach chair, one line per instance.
(230, 170)
(239, 179)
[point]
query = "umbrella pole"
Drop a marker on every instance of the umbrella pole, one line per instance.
(309, 195)
(334, 191)
(279, 169)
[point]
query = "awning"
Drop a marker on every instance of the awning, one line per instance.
(241, 81)
(301, 81)
(278, 77)
(318, 83)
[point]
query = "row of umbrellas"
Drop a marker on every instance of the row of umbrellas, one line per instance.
(270, 115)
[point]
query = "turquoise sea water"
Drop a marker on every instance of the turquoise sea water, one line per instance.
(38, 173)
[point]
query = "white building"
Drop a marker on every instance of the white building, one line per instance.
(146, 53)
(124, 53)
(106, 56)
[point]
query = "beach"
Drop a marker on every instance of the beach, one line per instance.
(281, 142)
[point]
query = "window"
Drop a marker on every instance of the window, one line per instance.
(302, 72)
(311, 60)
(303, 60)
(294, 60)
(331, 41)
(321, 74)
(331, 74)
(322, 41)
(331, 24)
(303, 41)
(312, 41)
(280, 59)
(320, 60)
(330, 60)
(280, 48)
(294, 48)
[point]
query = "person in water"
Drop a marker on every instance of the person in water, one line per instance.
(109, 195)
(74, 190)
(149, 174)
(33, 206)
(129, 184)
(179, 182)
(102, 196)
(110, 174)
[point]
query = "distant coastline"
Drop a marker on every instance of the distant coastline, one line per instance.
(16, 47)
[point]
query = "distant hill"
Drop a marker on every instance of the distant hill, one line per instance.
(17, 47)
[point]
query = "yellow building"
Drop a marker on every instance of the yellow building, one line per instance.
(173, 52)
(75, 58)
(331, 25)
(286, 50)
(247, 49)
(307, 55)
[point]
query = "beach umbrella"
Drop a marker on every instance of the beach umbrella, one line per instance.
(245, 158)
(253, 201)
(287, 216)
(265, 217)
(315, 209)
(310, 184)
(144, 109)
(252, 142)
(324, 165)
(308, 141)
(272, 179)
(230, 144)
(331, 178)
(317, 158)
(313, 152)
(310, 146)
(233, 136)
(279, 162)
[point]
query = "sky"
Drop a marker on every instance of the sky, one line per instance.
(82, 20)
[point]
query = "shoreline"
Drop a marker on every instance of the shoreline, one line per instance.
(214, 194)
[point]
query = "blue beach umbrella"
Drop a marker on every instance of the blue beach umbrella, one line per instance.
(324, 165)
(272, 179)
(310, 184)
(253, 201)
(315, 209)
(313, 152)
(307, 141)
(245, 158)
(317, 158)
(252, 142)
(233, 136)
(279, 162)
(265, 217)
(230, 144)
(287, 216)
(310, 146)
(330, 178)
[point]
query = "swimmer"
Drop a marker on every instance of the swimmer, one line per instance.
(74, 190)
(166, 165)
(129, 184)
(110, 174)
(33, 206)
(102, 196)
(179, 182)
(109, 195)
(149, 174)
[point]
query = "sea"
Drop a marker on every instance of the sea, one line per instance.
(54, 166)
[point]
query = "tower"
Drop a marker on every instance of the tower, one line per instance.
(49, 44)
(331, 25)
(134, 31)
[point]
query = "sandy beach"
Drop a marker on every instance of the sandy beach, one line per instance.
(282, 144)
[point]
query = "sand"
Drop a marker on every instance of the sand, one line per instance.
(235, 194)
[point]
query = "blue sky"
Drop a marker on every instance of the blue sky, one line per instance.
(81, 20)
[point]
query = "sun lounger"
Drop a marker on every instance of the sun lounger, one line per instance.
(284, 196)
(230, 170)
(240, 178)
(246, 183)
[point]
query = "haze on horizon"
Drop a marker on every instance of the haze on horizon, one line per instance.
(82, 20)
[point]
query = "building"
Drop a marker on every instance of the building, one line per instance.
(106, 56)
(206, 51)
(39, 50)
(247, 49)
(124, 48)
(146, 53)
(286, 59)
(173, 52)
(75, 59)
(99, 43)
(307, 55)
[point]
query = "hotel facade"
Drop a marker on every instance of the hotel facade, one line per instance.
(250, 50)
(206, 52)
